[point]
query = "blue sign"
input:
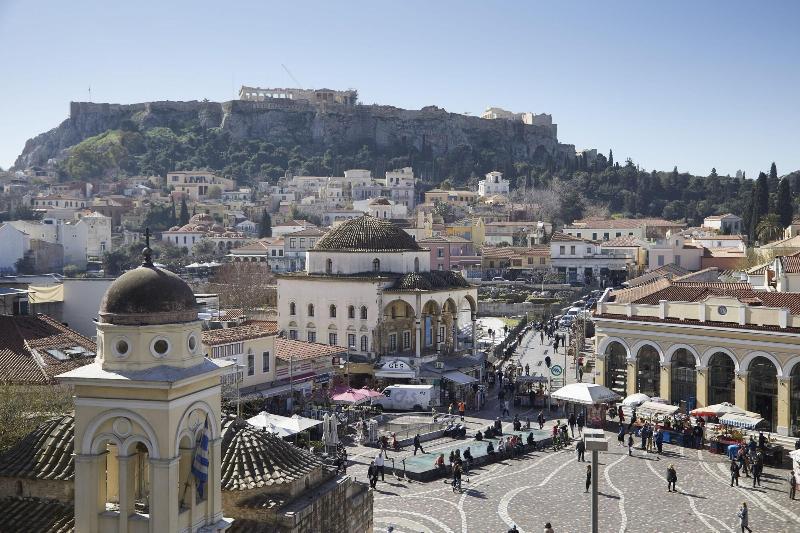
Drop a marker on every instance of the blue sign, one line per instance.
(556, 370)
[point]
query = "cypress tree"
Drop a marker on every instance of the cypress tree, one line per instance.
(184, 212)
(783, 205)
(610, 157)
(173, 215)
(265, 228)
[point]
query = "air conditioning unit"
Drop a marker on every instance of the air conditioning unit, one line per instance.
(439, 364)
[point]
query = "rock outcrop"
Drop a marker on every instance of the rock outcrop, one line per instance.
(298, 123)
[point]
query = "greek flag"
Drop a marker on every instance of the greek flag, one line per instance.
(200, 462)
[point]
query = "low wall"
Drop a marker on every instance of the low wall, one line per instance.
(498, 308)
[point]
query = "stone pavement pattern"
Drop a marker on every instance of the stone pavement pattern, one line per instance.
(549, 486)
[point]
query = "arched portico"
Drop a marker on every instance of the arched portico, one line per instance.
(762, 387)
(396, 333)
(721, 368)
(615, 373)
(648, 369)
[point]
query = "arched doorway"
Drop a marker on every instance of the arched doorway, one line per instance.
(794, 413)
(762, 390)
(684, 377)
(616, 368)
(648, 373)
(721, 376)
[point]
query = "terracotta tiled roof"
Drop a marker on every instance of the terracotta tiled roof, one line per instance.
(367, 234)
(24, 344)
(253, 458)
(286, 349)
(252, 330)
(306, 232)
(626, 241)
(565, 237)
(44, 453)
(708, 323)
(35, 514)
(637, 292)
(667, 271)
(707, 274)
(623, 223)
(790, 263)
(694, 292)
(760, 269)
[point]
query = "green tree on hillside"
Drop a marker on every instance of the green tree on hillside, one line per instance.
(184, 218)
(783, 204)
(265, 227)
(769, 228)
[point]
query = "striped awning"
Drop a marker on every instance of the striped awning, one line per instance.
(740, 421)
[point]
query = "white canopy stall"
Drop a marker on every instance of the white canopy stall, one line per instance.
(592, 396)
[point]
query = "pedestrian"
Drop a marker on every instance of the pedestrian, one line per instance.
(506, 405)
(580, 374)
(548, 528)
(372, 474)
(672, 478)
(513, 529)
(440, 463)
(792, 485)
(630, 443)
(744, 463)
(541, 336)
(581, 449)
(417, 445)
(621, 415)
(527, 369)
(379, 464)
(540, 419)
(450, 408)
(462, 407)
(743, 518)
(572, 422)
(758, 466)
(588, 477)
(581, 422)
(660, 441)
(621, 436)
(734, 472)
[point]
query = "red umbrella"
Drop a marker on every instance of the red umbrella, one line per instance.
(349, 396)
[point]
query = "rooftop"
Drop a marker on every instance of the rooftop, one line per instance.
(623, 223)
(286, 349)
(252, 330)
(36, 348)
(367, 234)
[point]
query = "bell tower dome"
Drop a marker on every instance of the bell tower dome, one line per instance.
(146, 411)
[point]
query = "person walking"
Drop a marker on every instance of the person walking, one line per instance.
(379, 463)
(506, 405)
(580, 447)
(572, 422)
(672, 478)
(734, 472)
(580, 374)
(540, 419)
(581, 422)
(372, 474)
(548, 528)
(621, 436)
(758, 466)
(743, 462)
(744, 519)
(588, 477)
(792, 485)
(659, 441)
(417, 445)
(541, 337)
(630, 444)
(462, 407)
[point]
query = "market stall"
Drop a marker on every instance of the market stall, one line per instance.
(530, 391)
(593, 399)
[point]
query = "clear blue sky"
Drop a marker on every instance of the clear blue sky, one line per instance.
(693, 84)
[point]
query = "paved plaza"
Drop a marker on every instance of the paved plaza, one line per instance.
(548, 486)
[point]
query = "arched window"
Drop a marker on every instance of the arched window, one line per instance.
(363, 312)
(292, 309)
(364, 342)
(416, 264)
(329, 266)
(394, 313)
(333, 311)
(376, 265)
(310, 309)
(351, 311)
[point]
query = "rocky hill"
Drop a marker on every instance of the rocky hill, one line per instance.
(425, 134)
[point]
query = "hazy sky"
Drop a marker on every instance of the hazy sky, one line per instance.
(693, 84)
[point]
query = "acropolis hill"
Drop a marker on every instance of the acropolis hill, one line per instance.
(299, 122)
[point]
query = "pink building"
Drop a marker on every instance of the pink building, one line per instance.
(451, 253)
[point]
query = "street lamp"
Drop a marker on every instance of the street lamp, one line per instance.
(595, 441)
(346, 365)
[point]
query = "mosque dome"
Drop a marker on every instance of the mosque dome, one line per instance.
(367, 234)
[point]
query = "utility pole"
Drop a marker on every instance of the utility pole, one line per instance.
(595, 442)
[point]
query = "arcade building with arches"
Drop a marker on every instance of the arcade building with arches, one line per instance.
(369, 287)
(704, 343)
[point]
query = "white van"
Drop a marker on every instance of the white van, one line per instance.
(407, 398)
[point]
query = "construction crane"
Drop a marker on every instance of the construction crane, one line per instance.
(299, 85)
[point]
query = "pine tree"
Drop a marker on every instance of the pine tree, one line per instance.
(184, 212)
(713, 173)
(783, 206)
(773, 178)
(265, 228)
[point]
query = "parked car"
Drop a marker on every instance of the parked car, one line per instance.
(497, 278)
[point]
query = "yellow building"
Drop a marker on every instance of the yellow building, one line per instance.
(706, 342)
(472, 230)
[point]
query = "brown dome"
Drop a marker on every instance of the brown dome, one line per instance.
(148, 295)
(367, 234)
